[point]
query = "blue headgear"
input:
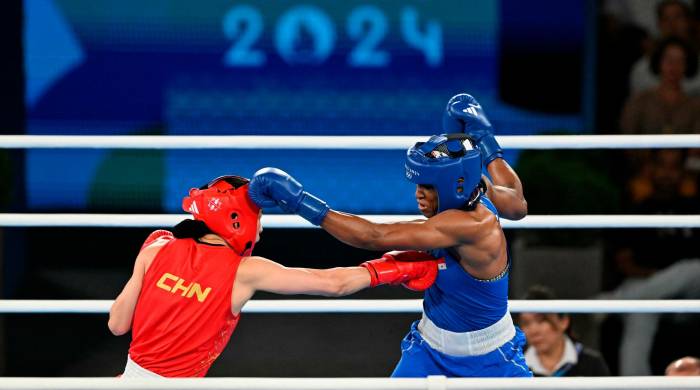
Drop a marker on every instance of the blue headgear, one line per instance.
(447, 164)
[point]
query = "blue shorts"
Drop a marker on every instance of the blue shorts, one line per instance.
(418, 359)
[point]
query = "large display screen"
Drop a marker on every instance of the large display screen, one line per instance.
(255, 67)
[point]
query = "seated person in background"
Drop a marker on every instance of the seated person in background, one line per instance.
(687, 366)
(551, 349)
(674, 18)
(664, 177)
(666, 108)
(659, 263)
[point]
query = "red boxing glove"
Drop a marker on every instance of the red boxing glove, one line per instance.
(415, 270)
(156, 235)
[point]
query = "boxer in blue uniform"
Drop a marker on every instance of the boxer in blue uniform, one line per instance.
(466, 329)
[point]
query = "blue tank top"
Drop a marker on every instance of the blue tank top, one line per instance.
(459, 302)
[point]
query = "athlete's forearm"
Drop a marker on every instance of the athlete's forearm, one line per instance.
(353, 230)
(122, 311)
(344, 280)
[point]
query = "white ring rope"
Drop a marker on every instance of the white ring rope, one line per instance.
(374, 306)
(293, 221)
(337, 142)
(429, 383)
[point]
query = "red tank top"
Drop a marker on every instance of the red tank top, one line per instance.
(183, 317)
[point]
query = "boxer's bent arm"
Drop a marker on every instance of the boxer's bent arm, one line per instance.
(506, 191)
(441, 231)
(121, 313)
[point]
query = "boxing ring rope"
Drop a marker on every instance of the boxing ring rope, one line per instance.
(429, 383)
(575, 221)
(22, 306)
(338, 142)
(350, 305)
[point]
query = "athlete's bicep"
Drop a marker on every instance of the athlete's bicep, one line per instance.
(437, 232)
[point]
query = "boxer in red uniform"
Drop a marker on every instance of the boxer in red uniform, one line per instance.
(184, 298)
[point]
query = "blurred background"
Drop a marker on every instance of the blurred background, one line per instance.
(289, 67)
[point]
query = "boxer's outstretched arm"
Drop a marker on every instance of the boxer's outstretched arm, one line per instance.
(260, 274)
(444, 230)
(334, 282)
(506, 190)
(415, 270)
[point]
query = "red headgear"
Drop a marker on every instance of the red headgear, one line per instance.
(225, 207)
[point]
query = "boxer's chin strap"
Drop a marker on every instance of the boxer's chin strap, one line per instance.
(479, 191)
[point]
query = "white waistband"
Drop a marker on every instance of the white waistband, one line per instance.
(478, 342)
(133, 370)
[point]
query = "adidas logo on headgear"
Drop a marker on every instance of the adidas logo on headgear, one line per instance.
(193, 208)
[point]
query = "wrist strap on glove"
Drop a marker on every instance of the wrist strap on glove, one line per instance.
(312, 209)
(490, 149)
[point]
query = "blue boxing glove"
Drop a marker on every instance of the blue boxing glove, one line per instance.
(272, 186)
(464, 114)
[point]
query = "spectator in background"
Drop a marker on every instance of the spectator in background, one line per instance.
(552, 350)
(674, 20)
(677, 281)
(640, 14)
(663, 178)
(665, 108)
(659, 181)
(623, 37)
(656, 263)
(687, 366)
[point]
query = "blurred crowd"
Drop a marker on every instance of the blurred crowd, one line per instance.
(648, 84)
(658, 92)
